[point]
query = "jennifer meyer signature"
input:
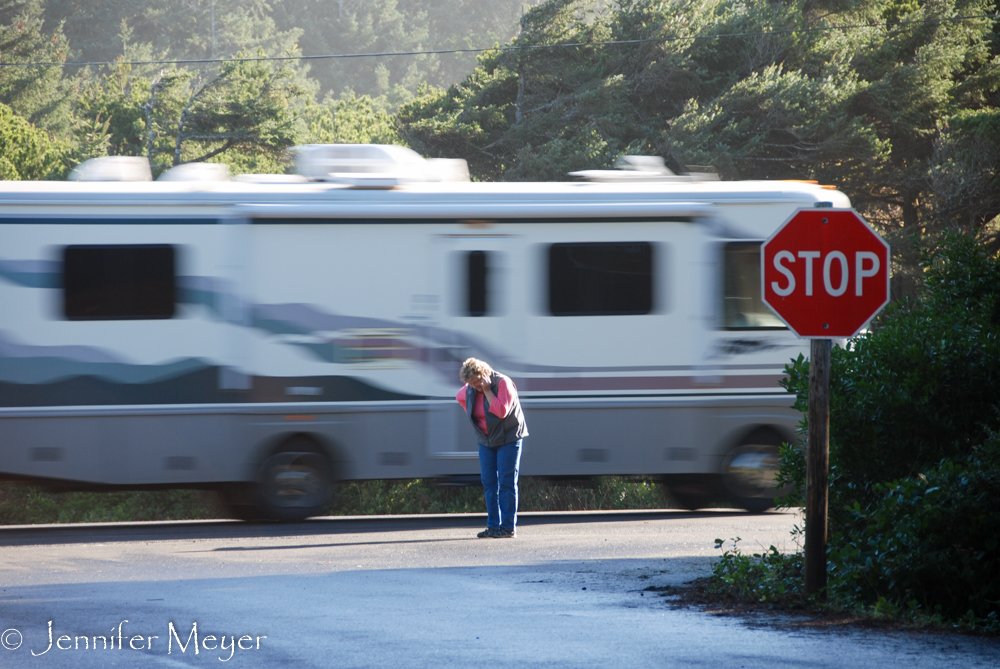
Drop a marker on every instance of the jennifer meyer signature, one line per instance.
(119, 639)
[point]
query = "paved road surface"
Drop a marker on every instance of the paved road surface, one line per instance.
(570, 591)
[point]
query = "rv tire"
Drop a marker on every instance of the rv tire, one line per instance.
(294, 485)
(749, 470)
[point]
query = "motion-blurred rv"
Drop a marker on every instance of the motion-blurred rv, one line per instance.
(271, 336)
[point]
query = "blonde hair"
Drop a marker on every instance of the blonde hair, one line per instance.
(474, 367)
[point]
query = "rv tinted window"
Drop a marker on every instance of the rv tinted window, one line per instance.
(601, 279)
(742, 306)
(477, 265)
(120, 282)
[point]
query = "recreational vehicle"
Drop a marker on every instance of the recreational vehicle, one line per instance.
(270, 337)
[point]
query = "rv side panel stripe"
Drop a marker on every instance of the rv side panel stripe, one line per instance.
(105, 220)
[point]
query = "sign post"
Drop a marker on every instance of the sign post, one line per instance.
(825, 273)
(817, 465)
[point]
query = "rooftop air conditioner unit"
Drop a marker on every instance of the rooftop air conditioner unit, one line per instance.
(373, 165)
(644, 168)
(112, 168)
(196, 172)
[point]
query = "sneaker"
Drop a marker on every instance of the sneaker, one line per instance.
(501, 533)
(486, 534)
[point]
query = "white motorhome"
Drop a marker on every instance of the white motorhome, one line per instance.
(272, 337)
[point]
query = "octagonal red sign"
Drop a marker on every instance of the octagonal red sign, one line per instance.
(825, 273)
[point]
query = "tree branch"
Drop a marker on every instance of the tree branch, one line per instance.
(148, 113)
(211, 154)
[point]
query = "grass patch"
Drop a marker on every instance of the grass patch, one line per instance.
(23, 505)
(27, 505)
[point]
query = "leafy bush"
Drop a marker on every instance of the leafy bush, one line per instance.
(924, 384)
(771, 576)
(914, 456)
(929, 543)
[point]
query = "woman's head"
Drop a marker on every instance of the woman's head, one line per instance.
(474, 368)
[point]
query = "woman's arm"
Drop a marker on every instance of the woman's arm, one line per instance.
(502, 403)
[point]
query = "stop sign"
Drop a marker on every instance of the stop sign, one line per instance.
(825, 273)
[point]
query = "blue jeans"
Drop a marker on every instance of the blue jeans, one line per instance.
(499, 468)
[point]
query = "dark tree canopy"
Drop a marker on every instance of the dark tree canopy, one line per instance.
(896, 102)
(899, 109)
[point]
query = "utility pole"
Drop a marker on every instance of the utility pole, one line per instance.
(213, 28)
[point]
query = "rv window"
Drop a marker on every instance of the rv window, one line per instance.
(601, 279)
(107, 283)
(742, 306)
(478, 268)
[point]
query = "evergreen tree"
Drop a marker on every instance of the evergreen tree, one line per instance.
(27, 152)
(245, 113)
(349, 120)
(894, 102)
(38, 93)
(187, 29)
(380, 26)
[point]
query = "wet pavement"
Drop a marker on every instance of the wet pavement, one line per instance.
(570, 591)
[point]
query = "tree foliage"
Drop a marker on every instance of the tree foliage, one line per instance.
(188, 29)
(382, 26)
(27, 152)
(38, 93)
(222, 28)
(894, 102)
(245, 111)
(350, 120)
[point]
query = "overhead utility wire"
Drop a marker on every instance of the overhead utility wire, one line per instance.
(525, 47)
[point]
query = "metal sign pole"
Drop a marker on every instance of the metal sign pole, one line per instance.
(817, 465)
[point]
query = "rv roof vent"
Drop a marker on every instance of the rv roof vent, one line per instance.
(644, 168)
(112, 168)
(651, 165)
(270, 178)
(196, 172)
(373, 165)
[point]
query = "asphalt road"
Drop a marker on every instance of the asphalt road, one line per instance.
(569, 591)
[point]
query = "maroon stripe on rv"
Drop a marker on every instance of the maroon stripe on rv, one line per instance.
(651, 382)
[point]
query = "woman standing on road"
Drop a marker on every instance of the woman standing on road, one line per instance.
(490, 401)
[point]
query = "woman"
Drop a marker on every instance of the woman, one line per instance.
(490, 401)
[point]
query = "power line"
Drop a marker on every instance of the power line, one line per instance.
(526, 47)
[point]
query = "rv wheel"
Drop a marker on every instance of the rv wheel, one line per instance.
(293, 485)
(749, 470)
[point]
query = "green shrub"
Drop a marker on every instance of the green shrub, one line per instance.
(924, 384)
(768, 577)
(914, 475)
(928, 543)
